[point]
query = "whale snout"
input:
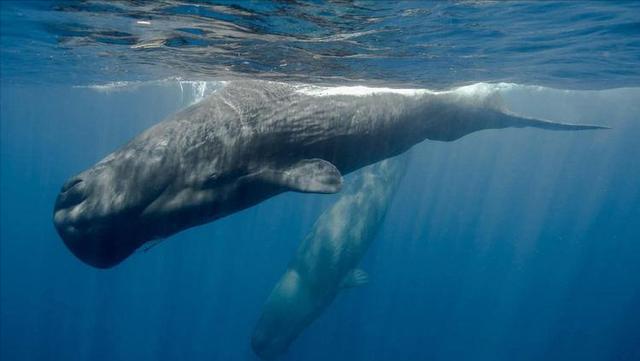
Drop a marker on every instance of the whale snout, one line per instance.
(95, 234)
(68, 207)
(73, 192)
(74, 181)
(101, 244)
(266, 347)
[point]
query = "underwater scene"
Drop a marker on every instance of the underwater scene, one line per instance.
(319, 180)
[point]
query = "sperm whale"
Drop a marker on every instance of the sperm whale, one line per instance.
(250, 141)
(326, 261)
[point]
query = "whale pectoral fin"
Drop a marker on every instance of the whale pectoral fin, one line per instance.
(307, 175)
(355, 278)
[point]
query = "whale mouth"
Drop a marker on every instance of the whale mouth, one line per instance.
(267, 349)
(271, 345)
(102, 242)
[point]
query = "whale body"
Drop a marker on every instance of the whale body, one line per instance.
(250, 141)
(326, 260)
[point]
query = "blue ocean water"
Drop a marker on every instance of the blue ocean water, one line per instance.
(515, 244)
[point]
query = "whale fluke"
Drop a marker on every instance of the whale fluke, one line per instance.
(550, 125)
(463, 120)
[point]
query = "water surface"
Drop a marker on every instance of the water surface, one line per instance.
(514, 244)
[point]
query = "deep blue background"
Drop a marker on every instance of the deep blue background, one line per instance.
(510, 244)
(513, 244)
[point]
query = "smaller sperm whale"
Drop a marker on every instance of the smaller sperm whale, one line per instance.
(326, 261)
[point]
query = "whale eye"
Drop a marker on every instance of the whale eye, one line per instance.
(219, 178)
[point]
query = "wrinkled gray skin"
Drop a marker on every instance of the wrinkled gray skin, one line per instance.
(246, 143)
(326, 260)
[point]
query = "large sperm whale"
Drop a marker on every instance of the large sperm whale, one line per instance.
(326, 261)
(250, 141)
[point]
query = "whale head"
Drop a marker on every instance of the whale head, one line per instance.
(288, 310)
(100, 213)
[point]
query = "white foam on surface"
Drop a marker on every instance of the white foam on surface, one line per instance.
(522, 99)
(358, 90)
(190, 91)
(200, 86)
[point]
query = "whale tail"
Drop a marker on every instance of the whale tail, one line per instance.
(512, 120)
(467, 120)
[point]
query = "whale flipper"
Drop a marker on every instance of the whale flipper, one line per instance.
(307, 175)
(355, 278)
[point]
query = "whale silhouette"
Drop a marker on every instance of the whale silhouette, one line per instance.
(326, 261)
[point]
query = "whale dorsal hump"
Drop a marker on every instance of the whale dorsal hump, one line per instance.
(355, 278)
(307, 175)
